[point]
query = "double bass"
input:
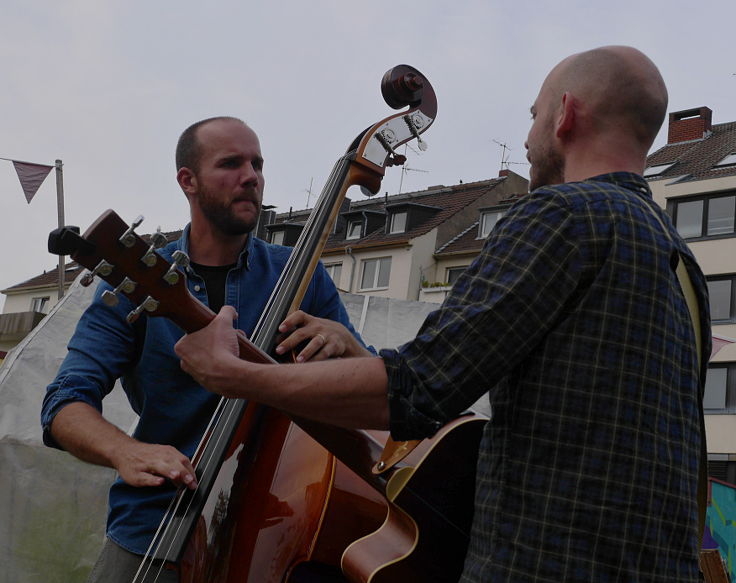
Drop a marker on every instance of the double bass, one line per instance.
(279, 496)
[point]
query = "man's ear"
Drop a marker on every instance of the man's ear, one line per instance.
(566, 119)
(187, 180)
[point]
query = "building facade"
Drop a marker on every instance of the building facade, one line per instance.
(693, 176)
(388, 246)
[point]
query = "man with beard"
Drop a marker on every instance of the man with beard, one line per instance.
(220, 170)
(573, 321)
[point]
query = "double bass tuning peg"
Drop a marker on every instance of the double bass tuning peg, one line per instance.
(415, 123)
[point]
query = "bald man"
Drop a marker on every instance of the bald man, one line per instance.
(573, 322)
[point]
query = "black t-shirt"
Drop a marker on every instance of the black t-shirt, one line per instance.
(214, 277)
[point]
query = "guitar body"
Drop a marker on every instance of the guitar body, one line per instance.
(431, 499)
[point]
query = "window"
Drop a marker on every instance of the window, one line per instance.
(729, 160)
(334, 270)
(375, 273)
(398, 223)
(720, 388)
(715, 388)
(277, 237)
(354, 229)
(721, 292)
(711, 216)
(721, 215)
(721, 469)
(487, 222)
(657, 169)
(453, 273)
(39, 304)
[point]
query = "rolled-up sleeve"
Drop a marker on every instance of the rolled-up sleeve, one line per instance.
(100, 350)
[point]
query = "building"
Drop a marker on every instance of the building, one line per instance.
(395, 246)
(384, 246)
(693, 176)
(28, 302)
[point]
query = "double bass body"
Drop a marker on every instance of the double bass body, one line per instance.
(279, 494)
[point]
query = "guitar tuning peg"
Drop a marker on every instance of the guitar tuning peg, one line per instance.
(128, 238)
(103, 268)
(150, 257)
(158, 239)
(111, 297)
(87, 279)
(181, 259)
(149, 305)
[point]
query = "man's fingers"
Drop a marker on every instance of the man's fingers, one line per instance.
(316, 349)
(228, 313)
(295, 320)
(148, 480)
(151, 464)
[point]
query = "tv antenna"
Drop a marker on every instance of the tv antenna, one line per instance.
(405, 168)
(309, 190)
(505, 154)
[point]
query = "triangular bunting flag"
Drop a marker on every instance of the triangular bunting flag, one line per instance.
(31, 176)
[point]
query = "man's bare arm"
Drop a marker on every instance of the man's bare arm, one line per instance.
(350, 391)
(83, 432)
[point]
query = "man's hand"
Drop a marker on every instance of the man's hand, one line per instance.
(86, 434)
(145, 464)
(324, 338)
(208, 355)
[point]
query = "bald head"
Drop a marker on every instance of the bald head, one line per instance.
(621, 87)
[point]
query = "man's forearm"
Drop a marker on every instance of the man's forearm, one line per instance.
(348, 392)
(351, 392)
(83, 432)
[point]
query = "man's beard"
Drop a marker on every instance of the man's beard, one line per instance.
(548, 169)
(222, 217)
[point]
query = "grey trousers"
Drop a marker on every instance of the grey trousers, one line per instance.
(116, 565)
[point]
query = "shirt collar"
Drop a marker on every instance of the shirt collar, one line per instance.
(628, 180)
(243, 258)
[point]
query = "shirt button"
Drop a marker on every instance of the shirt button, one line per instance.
(197, 288)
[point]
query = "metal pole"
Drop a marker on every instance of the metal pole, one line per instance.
(60, 207)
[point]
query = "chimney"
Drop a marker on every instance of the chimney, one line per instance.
(691, 124)
(503, 172)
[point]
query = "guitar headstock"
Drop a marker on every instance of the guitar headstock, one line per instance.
(112, 250)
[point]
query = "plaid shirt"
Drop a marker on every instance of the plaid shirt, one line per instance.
(573, 322)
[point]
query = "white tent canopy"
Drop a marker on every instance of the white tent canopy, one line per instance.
(52, 505)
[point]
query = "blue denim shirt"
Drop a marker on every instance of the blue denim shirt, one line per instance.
(173, 409)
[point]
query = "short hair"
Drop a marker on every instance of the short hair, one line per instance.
(188, 149)
(624, 86)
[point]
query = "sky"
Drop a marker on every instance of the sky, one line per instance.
(107, 87)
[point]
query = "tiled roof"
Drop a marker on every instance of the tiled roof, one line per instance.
(447, 199)
(465, 242)
(696, 159)
(48, 278)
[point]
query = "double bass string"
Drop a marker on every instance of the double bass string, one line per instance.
(225, 410)
(166, 522)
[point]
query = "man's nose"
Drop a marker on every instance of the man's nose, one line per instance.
(249, 175)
